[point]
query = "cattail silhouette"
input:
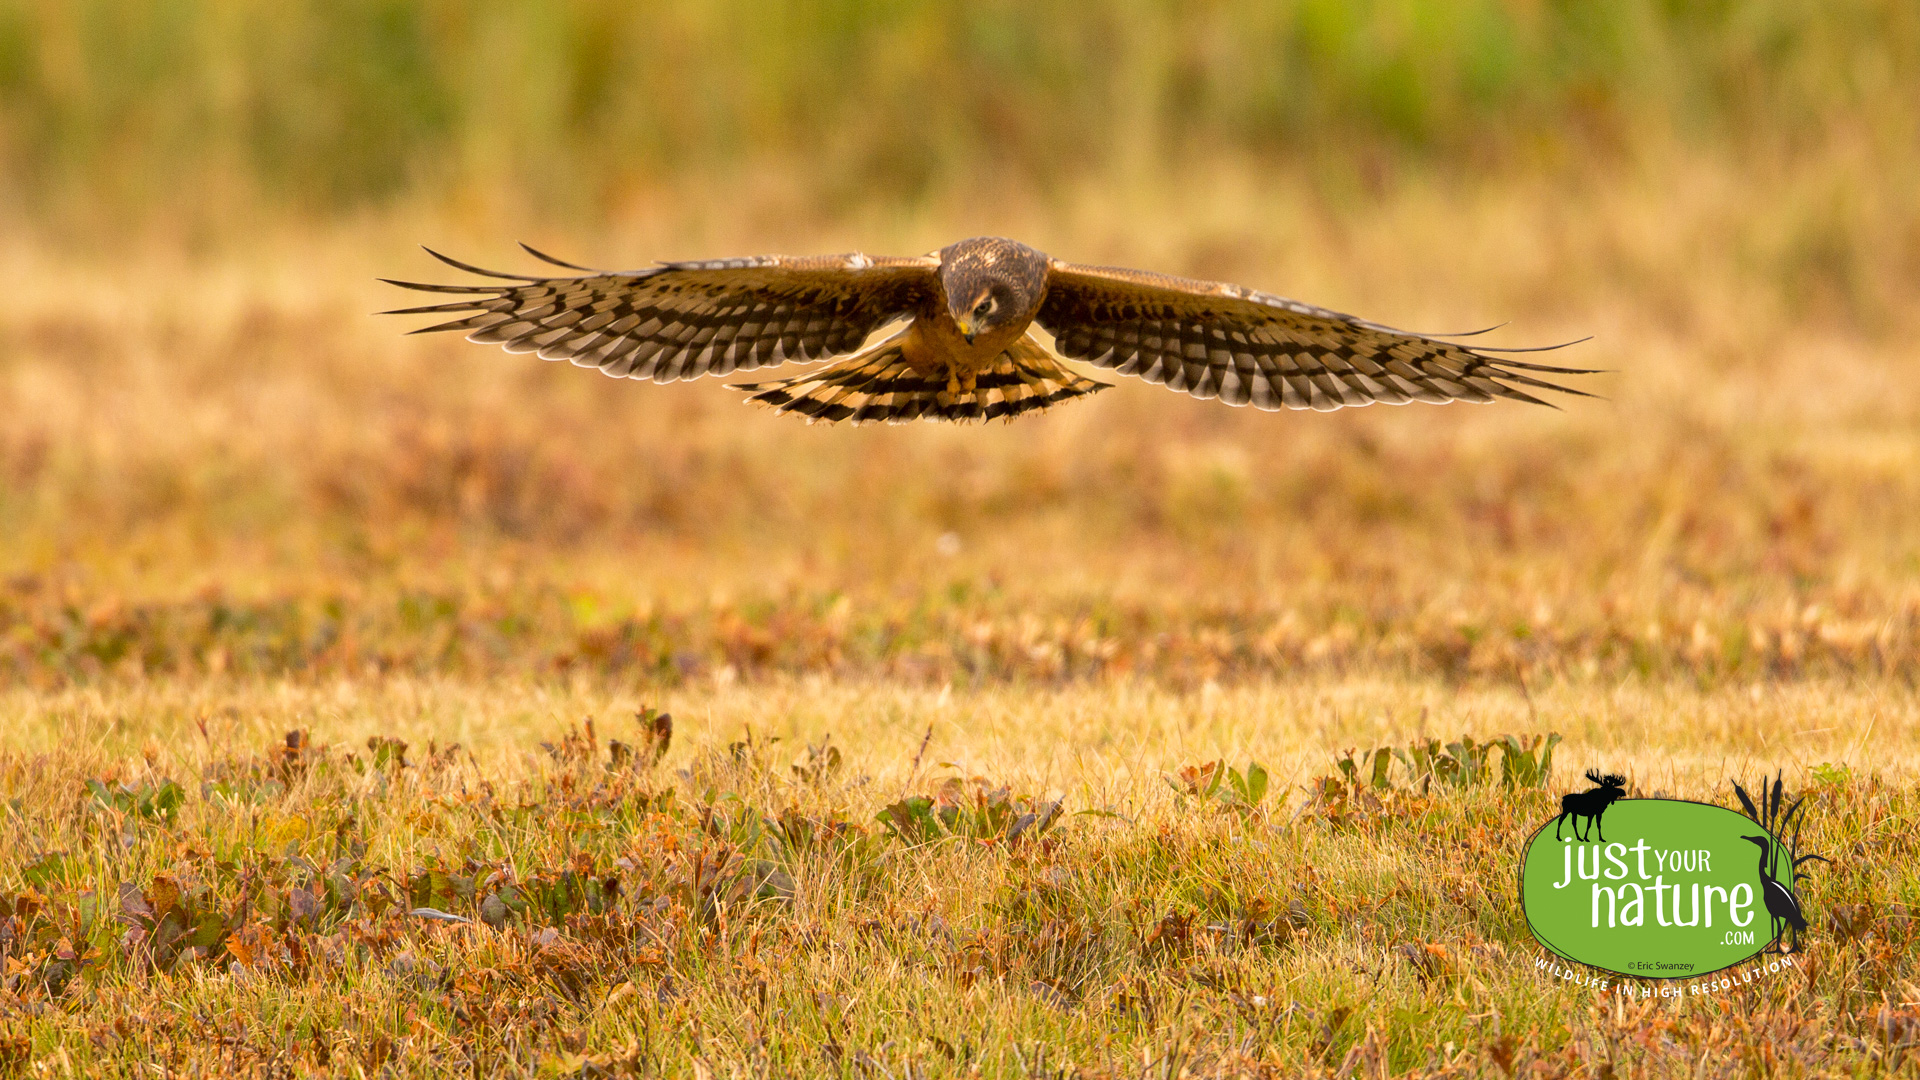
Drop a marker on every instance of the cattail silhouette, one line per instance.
(1779, 896)
(1590, 804)
(1780, 901)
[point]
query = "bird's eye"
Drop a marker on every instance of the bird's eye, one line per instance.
(983, 308)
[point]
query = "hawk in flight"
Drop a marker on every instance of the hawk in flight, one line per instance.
(961, 345)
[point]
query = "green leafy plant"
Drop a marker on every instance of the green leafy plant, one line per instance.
(1526, 763)
(1249, 788)
(1372, 764)
(1198, 781)
(148, 802)
(1831, 774)
(971, 809)
(1463, 763)
(1209, 781)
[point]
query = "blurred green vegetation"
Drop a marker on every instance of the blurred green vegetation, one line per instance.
(328, 104)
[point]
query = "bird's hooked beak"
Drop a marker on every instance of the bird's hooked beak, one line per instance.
(969, 318)
(1761, 840)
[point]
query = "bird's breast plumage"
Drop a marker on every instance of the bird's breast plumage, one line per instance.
(935, 343)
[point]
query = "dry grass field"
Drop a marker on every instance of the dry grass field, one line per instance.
(306, 626)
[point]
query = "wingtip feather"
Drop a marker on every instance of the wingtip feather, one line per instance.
(471, 269)
(434, 309)
(546, 258)
(424, 286)
(1530, 348)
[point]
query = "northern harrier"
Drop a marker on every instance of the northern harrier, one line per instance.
(966, 350)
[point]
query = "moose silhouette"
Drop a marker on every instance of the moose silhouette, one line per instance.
(1590, 804)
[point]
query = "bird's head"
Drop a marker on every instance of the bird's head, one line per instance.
(990, 282)
(1761, 840)
(975, 313)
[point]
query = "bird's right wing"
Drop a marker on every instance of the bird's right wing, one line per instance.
(682, 320)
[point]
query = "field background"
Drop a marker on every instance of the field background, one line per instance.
(233, 505)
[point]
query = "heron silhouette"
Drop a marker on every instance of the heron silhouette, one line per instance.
(1779, 899)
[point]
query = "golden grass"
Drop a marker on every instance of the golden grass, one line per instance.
(234, 506)
(225, 465)
(758, 920)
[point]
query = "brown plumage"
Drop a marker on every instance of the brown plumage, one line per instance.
(965, 348)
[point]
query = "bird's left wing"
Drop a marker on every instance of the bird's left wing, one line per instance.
(1210, 339)
(681, 320)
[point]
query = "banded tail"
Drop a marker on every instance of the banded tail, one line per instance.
(879, 385)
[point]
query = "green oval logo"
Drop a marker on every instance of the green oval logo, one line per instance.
(1656, 888)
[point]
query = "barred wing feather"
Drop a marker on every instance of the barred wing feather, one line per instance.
(683, 320)
(1210, 340)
